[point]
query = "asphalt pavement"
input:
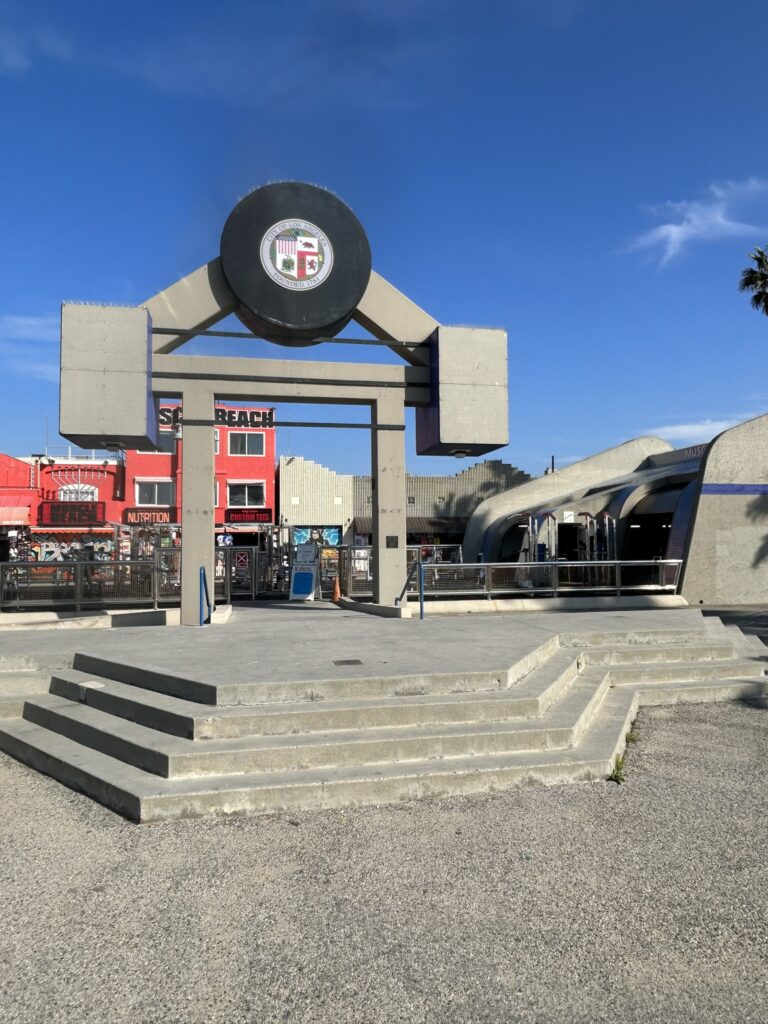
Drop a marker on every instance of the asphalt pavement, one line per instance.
(642, 902)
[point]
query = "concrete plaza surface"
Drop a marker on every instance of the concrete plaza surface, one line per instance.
(277, 641)
(646, 902)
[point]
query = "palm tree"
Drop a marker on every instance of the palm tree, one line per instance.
(755, 280)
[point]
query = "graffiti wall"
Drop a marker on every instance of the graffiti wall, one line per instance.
(50, 547)
(328, 536)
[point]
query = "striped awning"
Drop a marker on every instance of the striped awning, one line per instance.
(14, 515)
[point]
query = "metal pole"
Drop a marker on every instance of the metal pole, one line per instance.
(421, 589)
(618, 579)
(78, 585)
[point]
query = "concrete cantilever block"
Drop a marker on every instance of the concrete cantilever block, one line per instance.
(469, 410)
(106, 382)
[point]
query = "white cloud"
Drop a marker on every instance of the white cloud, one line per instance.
(37, 369)
(19, 49)
(713, 217)
(29, 328)
(697, 432)
(29, 345)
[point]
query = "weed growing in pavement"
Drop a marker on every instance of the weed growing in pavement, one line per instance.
(617, 775)
(632, 737)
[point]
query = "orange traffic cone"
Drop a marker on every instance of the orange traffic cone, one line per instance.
(336, 591)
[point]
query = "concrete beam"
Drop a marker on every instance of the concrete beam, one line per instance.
(197, 512)
(391, 316)
(291, 379)
(388, 472)
(195, 303)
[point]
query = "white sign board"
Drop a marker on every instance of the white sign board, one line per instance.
(305, 576)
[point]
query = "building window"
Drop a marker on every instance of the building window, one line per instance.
(249, 495)
(246, 444)
(411, 500)
(154, 492)
(215, 442)
(215, 493)
(166, 443)
(78, 492)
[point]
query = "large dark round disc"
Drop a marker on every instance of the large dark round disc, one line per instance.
(297, 260)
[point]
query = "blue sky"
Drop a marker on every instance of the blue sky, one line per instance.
(588, 174)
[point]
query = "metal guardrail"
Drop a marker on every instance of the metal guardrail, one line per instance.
(530, 579)
(158, 581)
(96, 584)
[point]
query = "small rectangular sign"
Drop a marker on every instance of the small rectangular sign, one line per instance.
(248, 515)
(150, 516)
(72, 513)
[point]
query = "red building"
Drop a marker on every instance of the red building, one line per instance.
(51, 508)
(244, 487)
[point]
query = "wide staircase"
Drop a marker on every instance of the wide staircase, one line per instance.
(153, 746)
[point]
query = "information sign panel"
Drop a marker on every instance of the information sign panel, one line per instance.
(305, 576)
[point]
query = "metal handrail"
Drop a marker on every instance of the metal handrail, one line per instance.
(546, 579)
(408, 578)
(204, 593)
(99, 583)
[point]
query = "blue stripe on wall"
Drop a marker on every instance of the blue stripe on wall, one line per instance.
(734, 488)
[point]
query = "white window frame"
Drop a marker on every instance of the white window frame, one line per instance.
(215, 442)
(154, 480)
(249, 483)
(248, 433)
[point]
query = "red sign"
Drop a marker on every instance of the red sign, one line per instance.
(248, 515)
(72, 513)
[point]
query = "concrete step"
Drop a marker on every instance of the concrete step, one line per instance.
(23, 681)
(143, 797)
(16, 686)
(701, 692)
(639, 637)
(173, 756)
(529, 698)
(747, 644)
(646, 654)
(149, 679)
(682, 671)
(345, 685)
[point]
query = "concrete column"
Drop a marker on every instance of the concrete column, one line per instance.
(197, 517)
(388, 472)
